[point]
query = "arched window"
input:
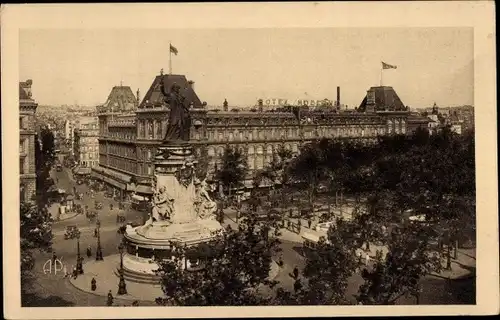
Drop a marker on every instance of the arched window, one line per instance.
(211, 152)
(389, 126)
(251, 157)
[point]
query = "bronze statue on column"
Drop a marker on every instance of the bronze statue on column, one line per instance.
(179, 120)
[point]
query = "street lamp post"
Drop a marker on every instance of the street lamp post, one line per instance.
(98, 253)
(79, 265)
(122, 286)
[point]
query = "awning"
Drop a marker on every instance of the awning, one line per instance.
(144, 189)
(83, 171)
(112, 173)
(114, 183)
(138, 198)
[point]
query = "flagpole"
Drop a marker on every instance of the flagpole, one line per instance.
(381, 74)
(170, 58)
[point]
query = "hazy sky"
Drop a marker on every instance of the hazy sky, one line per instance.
(242, 65)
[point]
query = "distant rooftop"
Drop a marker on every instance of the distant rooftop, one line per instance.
(382, 98)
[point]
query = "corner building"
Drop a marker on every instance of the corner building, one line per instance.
(27, 136)
(128, 139)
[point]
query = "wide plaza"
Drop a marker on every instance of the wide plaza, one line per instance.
(55, 289)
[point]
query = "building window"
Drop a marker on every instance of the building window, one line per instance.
(22, 193)
(158, 130)
(389, 126)
(21, 165)
(21, 146)
(403, 126)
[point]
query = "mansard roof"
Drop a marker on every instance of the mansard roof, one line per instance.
(154, 95)
(121, 98)
(385, 99)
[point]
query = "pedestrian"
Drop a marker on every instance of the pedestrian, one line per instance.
(54, 257)
(110, 299)
(297, 285)
(89, 252)
(95, 233)
(309, 223)
(295, 272)
(367, 258)
(75, 273)
(93, 284)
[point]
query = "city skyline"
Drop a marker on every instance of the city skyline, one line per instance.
(291, 64)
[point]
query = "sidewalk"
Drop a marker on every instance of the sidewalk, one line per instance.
(462, 267)
(106, 279)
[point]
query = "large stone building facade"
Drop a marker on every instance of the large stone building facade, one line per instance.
(27, 136)
(86, 145)
(128, 140)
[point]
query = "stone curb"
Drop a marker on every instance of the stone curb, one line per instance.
(115, 298)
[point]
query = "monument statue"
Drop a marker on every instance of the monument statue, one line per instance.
(205, 206)
(163, 205)
(179, 120)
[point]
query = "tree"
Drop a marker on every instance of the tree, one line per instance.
(235, 272)
(35, 234)
(44, 160)
(327, 270)
(309, 167)
(203, 164)
(233, 170)
(410, 257)
(278, 170)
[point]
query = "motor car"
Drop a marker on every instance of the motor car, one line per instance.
(71, 232)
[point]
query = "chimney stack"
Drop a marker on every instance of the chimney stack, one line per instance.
(191, 84)
(138, 97)
(338, 96)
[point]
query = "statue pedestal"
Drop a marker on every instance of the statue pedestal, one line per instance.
(177, 220)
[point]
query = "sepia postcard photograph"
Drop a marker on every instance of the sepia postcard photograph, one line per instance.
(249, 159)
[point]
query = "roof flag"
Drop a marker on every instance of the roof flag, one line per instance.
(173, 49)
(388, 66)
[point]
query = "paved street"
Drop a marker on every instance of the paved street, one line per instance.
(55, 290)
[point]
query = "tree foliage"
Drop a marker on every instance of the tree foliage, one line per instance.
(328, 267)
(234, 168)
(410, 257)
(35, 234)
(236, 268)
(44, 160)
(433, 175)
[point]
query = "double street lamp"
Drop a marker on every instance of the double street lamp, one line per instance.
(122, 286)
(98, 253)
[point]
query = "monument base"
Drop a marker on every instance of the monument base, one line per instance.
(145, 244)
